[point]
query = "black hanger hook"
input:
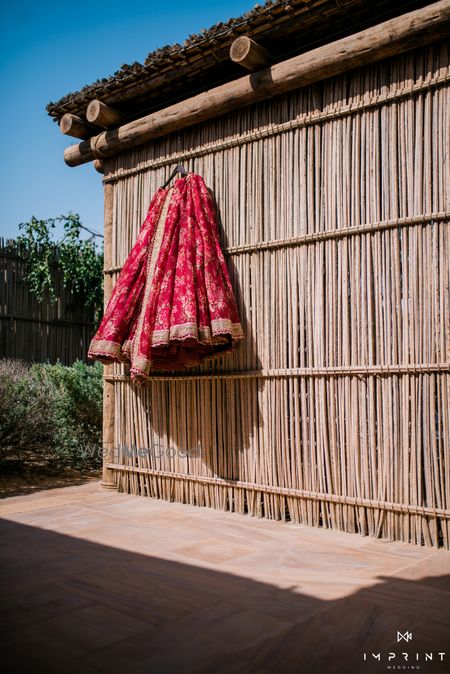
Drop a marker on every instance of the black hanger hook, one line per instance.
(178, 169)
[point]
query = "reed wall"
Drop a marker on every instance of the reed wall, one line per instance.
(335, 211)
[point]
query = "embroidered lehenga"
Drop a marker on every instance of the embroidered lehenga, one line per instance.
(173, 305)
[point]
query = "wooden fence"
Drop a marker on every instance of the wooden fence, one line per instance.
(37, 331)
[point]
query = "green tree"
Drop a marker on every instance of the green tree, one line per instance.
(79, 260)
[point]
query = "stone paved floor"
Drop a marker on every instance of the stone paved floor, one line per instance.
(94, 581)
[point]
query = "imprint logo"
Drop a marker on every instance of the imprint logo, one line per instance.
(405, 659)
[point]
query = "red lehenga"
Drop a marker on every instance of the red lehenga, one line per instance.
(173, 305)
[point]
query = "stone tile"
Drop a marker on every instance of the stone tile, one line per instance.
(19, 610)
(213, 550)
(150, 590)
(27, 579)
(190, 644)
(323, 536)
(30, 506)
(67, 518)
(334, 640)
(49, 498)
(237, 528)
(142, 513)
(396, 548)
(230, 664)
(30, 557)
(413, 597)
(103, 582)
(434, 570)
(128, 503)
(27, 653)
(86, 629)
(286, 604)
(195, 578)
(136, 538)
(312, 570)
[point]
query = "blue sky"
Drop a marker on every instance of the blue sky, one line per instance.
(50, 49)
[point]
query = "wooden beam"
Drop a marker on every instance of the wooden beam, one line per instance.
(249, 54)
(101, 114)
(408, 31)
(108, 386)
(99, 165)
(71, 125)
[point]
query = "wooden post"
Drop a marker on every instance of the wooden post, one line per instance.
(249, 54)
(395, 36)
(103, 115)
(108, 386)
(71, 125)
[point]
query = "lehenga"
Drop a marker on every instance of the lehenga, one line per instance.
(173, 305)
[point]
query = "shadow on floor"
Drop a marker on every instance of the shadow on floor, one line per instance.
(74, 606)
(19, 485)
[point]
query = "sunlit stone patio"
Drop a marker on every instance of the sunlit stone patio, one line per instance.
(95, 581)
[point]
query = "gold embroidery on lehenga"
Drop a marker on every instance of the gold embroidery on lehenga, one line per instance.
(141, 362)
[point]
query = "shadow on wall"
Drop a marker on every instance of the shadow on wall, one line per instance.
(70, 605)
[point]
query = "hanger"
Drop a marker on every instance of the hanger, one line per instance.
(178, 169)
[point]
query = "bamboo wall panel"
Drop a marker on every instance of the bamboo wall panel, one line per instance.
(335, 214)
(39, 331)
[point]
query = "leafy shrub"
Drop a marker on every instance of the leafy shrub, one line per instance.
(50, 415)
(77, 410)
(25, 412)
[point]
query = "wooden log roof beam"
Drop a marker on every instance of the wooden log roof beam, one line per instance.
(72, 125)
(249, 54)
(99, 165)
(397, 35)
(101, 114)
